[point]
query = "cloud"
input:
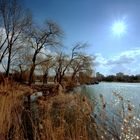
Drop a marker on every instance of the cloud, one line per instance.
(126, 62)
(100, 60)
(120, 60)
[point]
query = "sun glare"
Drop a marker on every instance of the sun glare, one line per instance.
(119, 28)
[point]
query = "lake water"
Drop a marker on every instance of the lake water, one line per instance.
(129, 91)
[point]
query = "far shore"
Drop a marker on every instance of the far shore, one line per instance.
(121, 82)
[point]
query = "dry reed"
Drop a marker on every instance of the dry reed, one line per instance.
(63, 117)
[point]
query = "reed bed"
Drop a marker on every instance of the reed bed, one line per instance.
(11, 111)
(66, 117)
(61, 117)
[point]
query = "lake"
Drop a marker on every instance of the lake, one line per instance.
(130, 91)
(108, 90)
(116, 109)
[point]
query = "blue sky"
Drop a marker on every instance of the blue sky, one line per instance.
(91, 21)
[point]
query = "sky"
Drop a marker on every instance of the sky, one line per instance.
(110, 27)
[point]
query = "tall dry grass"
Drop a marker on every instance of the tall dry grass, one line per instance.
(11, 111)
(66, 117)
(121, 122)
(63, 117)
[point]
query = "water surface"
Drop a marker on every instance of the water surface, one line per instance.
(129, 91)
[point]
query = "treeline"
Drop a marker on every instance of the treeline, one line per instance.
(28, 49)
(119, 77)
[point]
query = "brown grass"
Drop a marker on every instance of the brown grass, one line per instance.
(63, 117)
(11, 107)
(66, 117)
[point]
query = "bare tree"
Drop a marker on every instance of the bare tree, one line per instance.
(64, 62)
(3, 40)
(61, 61)
(39, 39)
(82, 63)
(14, 22)
(21, 61)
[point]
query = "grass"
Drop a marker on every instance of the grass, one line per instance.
(64, 116)
(11, 106)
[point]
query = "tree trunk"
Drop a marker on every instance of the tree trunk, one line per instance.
(56, 78)
(20, 76)
(45, 77)
(60, 80)
(73, 76)
(30, 80)
(9, 61)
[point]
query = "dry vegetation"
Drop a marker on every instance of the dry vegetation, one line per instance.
(120, 122)
(65, 116)
(11, 108)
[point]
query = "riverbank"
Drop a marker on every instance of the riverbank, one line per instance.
(63, 116)
(121, 81)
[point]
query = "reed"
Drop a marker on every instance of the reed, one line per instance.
(61, 117)
(10, 111)
(66, 117)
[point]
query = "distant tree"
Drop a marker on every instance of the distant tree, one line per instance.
(99, 76)
(138, 77)
(121, 77)
(110, 78)
(120, 74)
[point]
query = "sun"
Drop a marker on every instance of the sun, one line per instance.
(119, 28)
